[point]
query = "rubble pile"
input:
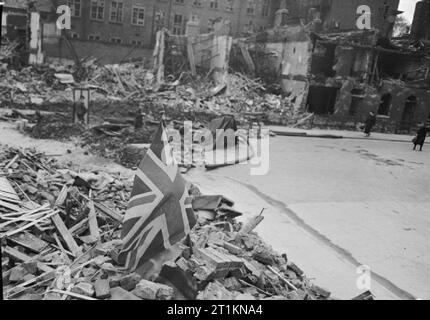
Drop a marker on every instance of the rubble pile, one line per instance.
(115, 145)
(7, 52)
(60, 230)
(51, 85)
(55, 126)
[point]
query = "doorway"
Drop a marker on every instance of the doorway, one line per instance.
(408, 113)
(322, 100)
(385, 105)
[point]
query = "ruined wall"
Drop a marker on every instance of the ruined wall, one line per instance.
(370, 101)
(294, 53)
(421, 23)
(107, 53)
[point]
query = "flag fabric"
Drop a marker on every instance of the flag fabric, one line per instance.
(159, 213)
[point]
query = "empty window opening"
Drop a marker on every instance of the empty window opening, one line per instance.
(323, 60)
(322, 100)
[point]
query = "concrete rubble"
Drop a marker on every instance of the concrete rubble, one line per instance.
(61, 237)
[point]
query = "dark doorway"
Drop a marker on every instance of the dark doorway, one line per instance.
(408, 113)
(322, 100)
(385, 105)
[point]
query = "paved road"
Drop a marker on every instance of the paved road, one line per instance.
(337, 204)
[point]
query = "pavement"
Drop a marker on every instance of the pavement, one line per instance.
(314, 133)
(332, 205)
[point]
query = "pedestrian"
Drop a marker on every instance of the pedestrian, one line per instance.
(369, 124)
(420, 137)
(81, 109)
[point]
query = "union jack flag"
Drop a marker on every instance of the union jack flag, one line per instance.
(159, 213)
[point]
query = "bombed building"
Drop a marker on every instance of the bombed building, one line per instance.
(340, 75)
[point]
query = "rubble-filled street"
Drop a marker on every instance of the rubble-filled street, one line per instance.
(175, 154)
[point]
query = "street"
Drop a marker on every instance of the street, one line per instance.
(335, 205)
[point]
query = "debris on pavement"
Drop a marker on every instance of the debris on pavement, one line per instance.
(60, 231)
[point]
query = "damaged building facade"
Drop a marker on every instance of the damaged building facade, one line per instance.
(342, 75)
(117, 30)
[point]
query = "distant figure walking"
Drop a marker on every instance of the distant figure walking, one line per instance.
(421, 137)
(369, 124)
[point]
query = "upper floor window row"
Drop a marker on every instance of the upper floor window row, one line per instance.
(115, 12)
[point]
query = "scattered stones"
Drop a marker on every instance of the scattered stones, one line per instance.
(84, 288)
(102, 289)
(148, 290)
(129, 281)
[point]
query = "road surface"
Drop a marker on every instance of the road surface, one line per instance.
(335, 205)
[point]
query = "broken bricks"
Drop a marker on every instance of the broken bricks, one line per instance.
(129, 282)
(149, 290)
(102, 289)
(214, 263)
(84, 288)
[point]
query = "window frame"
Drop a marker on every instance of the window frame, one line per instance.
(254, 7)
(97, 11)
(229, 5)
(265, 9)
(72, 5)
(138, 8)
(117, 11)
(212, 2)
(178, 26)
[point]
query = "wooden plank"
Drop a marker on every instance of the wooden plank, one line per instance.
(108, 212)
(29, 241)
(60, 246)
(66, 235)
(9, 206)
(6, 190)
(105, 210)
(26, 226)
(92, 221)
(289, 284)
(18, 256)
(77, 227)
(62, 196)
(191, 59)
(11, 162)
(72, 294)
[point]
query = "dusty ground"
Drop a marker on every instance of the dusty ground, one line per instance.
(331, 205)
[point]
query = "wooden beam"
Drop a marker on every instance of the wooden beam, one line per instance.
(18, 256)
(92, 222)
(66, 235)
